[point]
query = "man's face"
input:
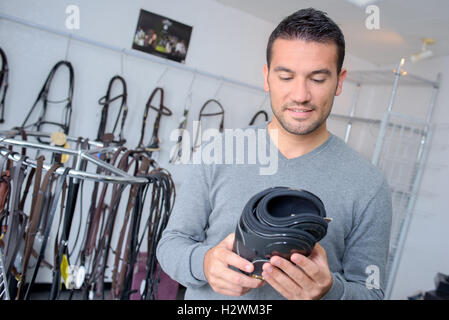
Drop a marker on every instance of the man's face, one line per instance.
(302, 81)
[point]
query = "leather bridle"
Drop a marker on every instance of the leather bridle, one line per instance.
(161, 206)
(60, 188)
(162, 110)
(210, 114)
(61, 243)
(123, 110)
(43, 97)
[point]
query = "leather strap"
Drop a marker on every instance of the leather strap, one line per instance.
(161, 207)
(43, 96)
(210, 114)
(92, 247)
(60, 186)
(261, 112)
(5, 185)
(61, 244)
(32, 223)
(162, 110)
(132, 214)
(123, 110)
(92, 218)
(131, 249)
(17, 220)
(91, 240)
(4, 72)
(177, 154)
(115, 287)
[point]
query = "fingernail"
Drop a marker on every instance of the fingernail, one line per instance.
(295, 258)
(248, 268)
(275, 261)
(267, 268)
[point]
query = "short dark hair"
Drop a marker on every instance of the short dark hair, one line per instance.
(309, 25)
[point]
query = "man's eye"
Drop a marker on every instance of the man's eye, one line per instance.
(285, 78)
(318, 80)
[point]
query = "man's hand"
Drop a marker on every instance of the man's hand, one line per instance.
(305, 278)
(221, 278)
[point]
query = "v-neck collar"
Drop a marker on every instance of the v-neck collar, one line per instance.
(306, 156)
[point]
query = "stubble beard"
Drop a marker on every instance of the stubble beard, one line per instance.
(300, 127)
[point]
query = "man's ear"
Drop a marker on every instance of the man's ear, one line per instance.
(341, 79)
(265, 71)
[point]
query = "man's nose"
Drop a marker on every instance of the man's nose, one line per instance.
(300, 92)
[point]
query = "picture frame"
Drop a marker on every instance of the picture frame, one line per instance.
(162, 36)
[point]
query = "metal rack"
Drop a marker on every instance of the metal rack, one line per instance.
(112, 174)
(4, 293)
(400, 151)
(118, 177)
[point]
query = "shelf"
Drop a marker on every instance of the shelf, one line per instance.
(349, 118)
(386, 77)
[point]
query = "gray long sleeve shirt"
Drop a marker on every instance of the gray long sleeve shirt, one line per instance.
(355, 194)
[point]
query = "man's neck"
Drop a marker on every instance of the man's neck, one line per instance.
(293, 145)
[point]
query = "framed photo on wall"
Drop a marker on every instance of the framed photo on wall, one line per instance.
(162, 36)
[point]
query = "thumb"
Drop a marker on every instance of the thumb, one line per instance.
(318, 254)
(228, 242)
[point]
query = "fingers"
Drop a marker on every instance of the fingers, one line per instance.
(281, 282)
(235, 292)
(234, 281)
(221, 278)
(235, 277)
(301, 277)
(235, 260)
(307, 265)
(224, 253)
(291, 275)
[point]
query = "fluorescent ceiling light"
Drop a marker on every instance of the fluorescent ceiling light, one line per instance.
(362, 3)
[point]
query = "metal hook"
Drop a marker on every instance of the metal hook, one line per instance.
(193, 80)
(219, 87)
(189, 92)
(160, 78)
(68, 47)
(262, 105)
(121, 61)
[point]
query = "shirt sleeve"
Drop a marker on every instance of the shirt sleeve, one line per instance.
(366, 254)
(181, 250)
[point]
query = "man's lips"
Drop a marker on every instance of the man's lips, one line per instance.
(299, 112)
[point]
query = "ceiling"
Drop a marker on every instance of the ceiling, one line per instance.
(403, 24)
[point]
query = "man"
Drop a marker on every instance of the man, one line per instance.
(303, 74)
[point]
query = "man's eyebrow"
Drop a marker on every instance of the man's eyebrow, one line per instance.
(320, 71)
(283, 69)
